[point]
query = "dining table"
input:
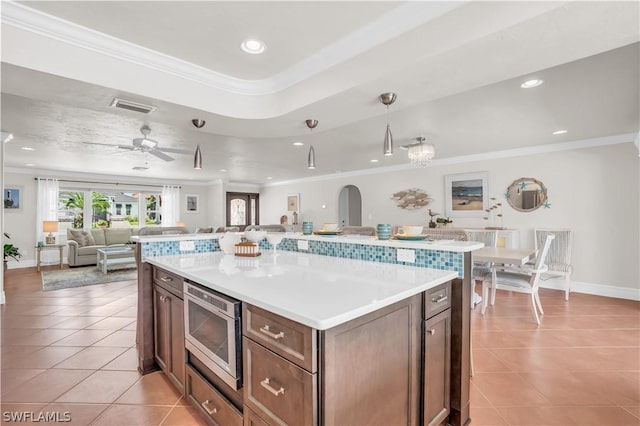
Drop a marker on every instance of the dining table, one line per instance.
(503, 255)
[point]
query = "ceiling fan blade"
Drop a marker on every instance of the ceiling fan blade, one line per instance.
(98, 143)
(160, 154)
(175, 150)
(129, 147)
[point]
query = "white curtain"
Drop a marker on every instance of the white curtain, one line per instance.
(170, 207)
(46, 209)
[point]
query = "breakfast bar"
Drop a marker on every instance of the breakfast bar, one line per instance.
(323, 330)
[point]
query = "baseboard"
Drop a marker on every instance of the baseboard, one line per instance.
(30, 263)
(591, 288)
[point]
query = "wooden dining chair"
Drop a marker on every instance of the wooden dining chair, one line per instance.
(559, 256)
(522, 280)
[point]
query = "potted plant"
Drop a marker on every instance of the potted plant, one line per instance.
(10, 251)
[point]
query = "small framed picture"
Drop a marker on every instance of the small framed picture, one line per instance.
(293, 203)
(466, 194)
(192, 203)
(12, 196)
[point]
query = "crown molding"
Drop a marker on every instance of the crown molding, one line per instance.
(108, 179)
(509, 153)
(385, 28)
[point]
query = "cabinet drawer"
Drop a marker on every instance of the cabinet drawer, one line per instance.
(252, 419)
(210, 402)
(437, 299)
(289, 339)
(168, 281)
(278, 391)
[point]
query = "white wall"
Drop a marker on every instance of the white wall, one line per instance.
(593, 191)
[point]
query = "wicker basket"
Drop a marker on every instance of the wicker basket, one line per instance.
(247, 249)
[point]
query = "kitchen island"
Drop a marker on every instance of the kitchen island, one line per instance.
(375, 338)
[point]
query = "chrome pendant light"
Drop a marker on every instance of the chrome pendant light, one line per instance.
(197, 159)
(387, 99)
(311, 159)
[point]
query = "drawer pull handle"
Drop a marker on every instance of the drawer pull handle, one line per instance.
(166, 279)
(267, 385)
(211, 411)
(432, 331)
(271, 334)
(440, 298)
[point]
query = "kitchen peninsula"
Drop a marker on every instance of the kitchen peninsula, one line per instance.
(331, 331)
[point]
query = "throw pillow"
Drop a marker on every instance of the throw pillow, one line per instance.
(204, 230)
(83, 238)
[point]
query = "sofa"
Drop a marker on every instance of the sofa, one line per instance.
(84, 245)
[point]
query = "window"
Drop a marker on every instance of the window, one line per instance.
(84, 209)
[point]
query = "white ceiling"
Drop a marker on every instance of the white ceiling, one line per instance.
(456, 67)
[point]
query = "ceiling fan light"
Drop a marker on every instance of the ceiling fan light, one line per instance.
(197, 159)
(311, 160)
(388, 142)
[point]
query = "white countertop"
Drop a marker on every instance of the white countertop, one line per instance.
(318, 291)
(442, 245)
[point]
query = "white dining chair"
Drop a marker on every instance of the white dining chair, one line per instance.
(522, 280)
(559, 256)
(480, 269)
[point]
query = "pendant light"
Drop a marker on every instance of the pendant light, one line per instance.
(197, 159)
(311, 159)
(388, 99)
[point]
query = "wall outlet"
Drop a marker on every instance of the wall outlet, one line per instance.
(303, 245)
(406, 255)
(187, 245)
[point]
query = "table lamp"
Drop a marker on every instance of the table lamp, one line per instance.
(181, 224)
(50, 226)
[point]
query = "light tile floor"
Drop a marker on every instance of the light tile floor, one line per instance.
(73, 351)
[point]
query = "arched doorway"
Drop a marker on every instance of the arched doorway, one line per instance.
(350, 206)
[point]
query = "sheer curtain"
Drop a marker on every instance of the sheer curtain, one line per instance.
(170, 206)
(46, 209)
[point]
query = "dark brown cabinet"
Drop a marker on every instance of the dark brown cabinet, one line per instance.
(168, 332)
(436, 397)
(362, 372)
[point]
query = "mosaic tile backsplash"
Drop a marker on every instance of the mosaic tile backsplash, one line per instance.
(435, 259)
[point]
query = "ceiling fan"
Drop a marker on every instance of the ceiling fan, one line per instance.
(144, 144)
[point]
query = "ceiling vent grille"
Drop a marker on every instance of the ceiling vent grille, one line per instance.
(140, 168)
(132, 106)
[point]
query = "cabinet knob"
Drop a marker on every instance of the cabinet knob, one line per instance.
(266, 383)
(210, 411)
(431, 331)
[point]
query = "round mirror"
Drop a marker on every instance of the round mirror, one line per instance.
(526, 194)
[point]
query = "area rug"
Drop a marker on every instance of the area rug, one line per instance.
(90, 275)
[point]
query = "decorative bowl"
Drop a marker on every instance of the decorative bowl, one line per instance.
(331, 227)
(254, 235)
(412, 230)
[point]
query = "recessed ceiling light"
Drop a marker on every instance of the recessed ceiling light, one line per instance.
(374, 160)
(223, 170)
(559, 132)
(255, 47)
(29, 164)
(28, 148)
(531, 83)
(298, 144)
(269, 178)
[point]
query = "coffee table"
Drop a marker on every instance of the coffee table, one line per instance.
(109, 256)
